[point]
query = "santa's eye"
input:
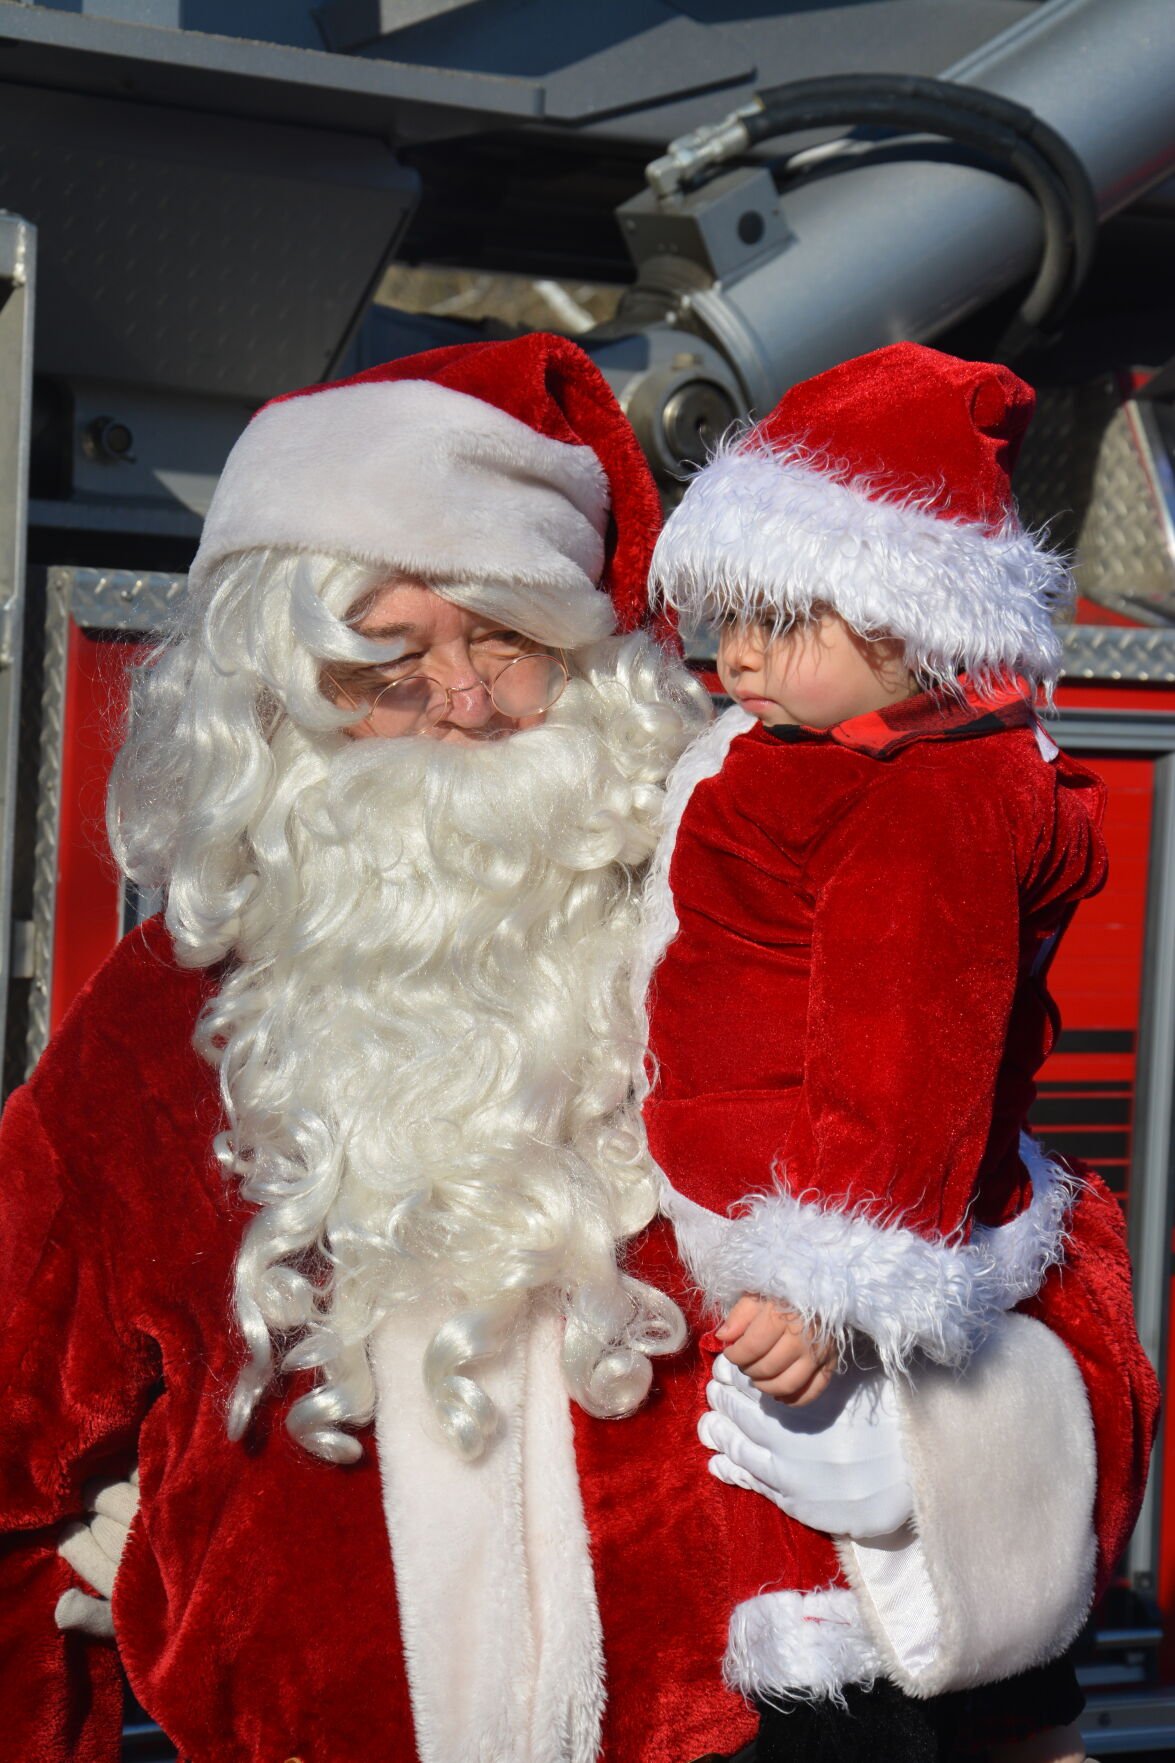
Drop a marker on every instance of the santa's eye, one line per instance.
(502, 642)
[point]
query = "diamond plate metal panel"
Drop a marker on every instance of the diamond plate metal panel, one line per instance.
(1085, 476)
(139, 602)
(201, 253)
(48, 813)
(1111, 652)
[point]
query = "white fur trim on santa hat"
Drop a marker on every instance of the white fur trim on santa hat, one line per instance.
(764, 534)
(430, 482)
(847, 1273)
(789, 1646)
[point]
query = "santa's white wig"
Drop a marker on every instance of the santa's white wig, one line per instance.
(426, 1036)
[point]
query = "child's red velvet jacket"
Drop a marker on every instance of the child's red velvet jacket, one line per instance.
(854, 930)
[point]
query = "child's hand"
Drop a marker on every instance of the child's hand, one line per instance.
(770, 1344)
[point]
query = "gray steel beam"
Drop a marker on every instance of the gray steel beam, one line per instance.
(1143, 732)
(230, 75)
(626, 71)
(1124, 1723)
(18, 243)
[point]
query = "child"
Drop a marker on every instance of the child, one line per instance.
(877, 850)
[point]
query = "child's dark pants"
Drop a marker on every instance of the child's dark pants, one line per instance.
(884, 1725)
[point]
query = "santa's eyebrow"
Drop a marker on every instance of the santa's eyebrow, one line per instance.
(382, 633)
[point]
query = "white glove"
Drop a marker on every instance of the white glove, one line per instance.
(836, 1464)
(93, 1547)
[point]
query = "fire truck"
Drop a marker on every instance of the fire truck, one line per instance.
(199, 200)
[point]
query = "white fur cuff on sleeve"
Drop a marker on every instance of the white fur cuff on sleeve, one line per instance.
(998, 1576)
(845, 1273)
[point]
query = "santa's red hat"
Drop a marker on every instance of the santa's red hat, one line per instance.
(881, 489)
(503, 473)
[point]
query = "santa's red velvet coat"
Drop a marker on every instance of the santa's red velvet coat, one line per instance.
(850, 1008)
(255, 1607)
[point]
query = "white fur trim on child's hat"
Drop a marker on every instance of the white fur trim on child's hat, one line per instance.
(764, 533)
(430, 482)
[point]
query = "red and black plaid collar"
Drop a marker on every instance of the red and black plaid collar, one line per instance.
(928, 717)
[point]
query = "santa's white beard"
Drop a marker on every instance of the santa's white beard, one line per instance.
(427, 1049)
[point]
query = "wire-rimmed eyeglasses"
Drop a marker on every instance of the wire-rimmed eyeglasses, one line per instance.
(519, 683)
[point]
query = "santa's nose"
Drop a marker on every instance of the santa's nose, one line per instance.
(470, 705)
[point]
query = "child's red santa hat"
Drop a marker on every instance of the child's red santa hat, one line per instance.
(882, 490)
(505, 474)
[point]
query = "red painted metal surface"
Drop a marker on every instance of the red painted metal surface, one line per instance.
(1087, 1086)
(89, 892)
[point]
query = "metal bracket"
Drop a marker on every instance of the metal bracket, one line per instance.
(727, 227)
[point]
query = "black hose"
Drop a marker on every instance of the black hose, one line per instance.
(1019, 144)
(1016, 117)
(889, 90)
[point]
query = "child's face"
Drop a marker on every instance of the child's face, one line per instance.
(819, 674)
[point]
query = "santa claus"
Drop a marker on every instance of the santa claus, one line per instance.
(314, 1206)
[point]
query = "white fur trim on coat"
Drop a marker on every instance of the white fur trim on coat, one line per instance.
(703, 758)
(784, 1646)
(845, 1273)
(999, 1577)
(501, 1627)
(430, 482)
(763, 534)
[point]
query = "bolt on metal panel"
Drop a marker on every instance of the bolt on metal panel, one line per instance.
(725, 228)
